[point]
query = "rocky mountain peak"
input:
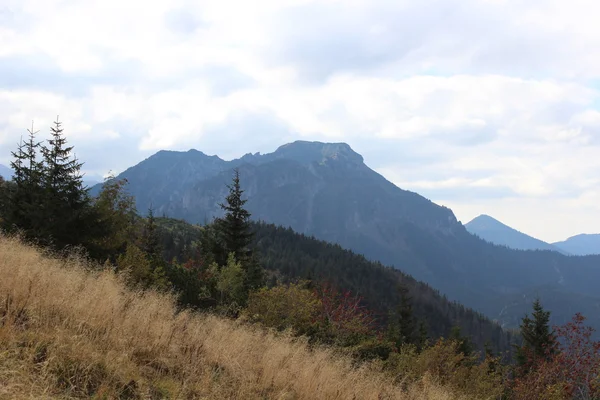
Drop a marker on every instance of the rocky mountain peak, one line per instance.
(308, 152)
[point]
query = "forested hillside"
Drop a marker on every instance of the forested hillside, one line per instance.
(290, 256)
(325, 190)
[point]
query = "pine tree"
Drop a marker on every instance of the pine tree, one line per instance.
(465, 346)
(402, 327)
(16, 216)
(234, 232)
(116, 212)
(66, 203)
(152, 248)
(24, 211)
(150, 239)
(539, 341)
(234, 227)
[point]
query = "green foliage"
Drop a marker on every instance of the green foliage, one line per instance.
(292, 256)
(286, 306)
(446, 364)
(65, 204)
(463, 343)
(24, 212)
(402, 324)
(234, 228)
(116, 220)
(570, 371)
(6, 187)
(48, 203)
(230, 285)
(539, 341)
(137, 266)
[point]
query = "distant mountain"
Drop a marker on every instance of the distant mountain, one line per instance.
(5, 172)
(581, 245)
(496, 232)
(325, 190)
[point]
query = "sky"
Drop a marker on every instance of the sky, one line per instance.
(487, 107)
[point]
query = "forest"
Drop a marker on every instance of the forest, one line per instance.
(269, 276)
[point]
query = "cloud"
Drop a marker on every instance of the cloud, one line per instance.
(478, 104)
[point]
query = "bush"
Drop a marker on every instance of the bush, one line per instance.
(447, 365)
(283, 307)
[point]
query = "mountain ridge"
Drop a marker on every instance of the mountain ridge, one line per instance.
(583, 244)
(326, 191)
(494, 231)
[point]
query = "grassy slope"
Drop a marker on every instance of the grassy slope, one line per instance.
(70, 333)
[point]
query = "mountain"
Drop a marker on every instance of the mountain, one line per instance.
(325, 190)
(496, 232)
(5, 172)
(580, 245)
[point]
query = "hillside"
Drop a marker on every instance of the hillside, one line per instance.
(71, 332)
(496, 232)
(581, 245)
(292, 256)
(325, 190)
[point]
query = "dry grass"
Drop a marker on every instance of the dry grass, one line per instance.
(68, 332)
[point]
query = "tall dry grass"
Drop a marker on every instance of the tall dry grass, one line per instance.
(69, 332)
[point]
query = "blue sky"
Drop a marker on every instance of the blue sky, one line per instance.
(487, 106)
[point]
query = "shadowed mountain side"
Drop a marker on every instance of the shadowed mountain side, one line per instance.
(326, 191)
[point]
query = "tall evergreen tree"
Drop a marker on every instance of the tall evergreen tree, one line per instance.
(235, 234)
(24, 211)
(15, 215)
(66, 203)
(234, 227)
(151, 244)
(403, 324)
(539, 341)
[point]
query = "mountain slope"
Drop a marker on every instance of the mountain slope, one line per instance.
(292, 256)
(326, 191)
(580, 245)
(72, 333)
(498, 233)
(5, 172)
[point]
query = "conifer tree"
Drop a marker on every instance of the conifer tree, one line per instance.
(423, 338)
(539, 342)
(235, 233)
(234, 227)
(15, 215)
(116, 212)
(66, 203)
(402, 327)
(150, 239)
(24, 212)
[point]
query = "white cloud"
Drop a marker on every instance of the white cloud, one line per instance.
(489, 106)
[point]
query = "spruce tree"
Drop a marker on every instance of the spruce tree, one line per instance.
(66, 203)
(234, 227)
(539, 341)
(235, 235)
(24, 213)
(151, 241)
(15, 215)
(423, 338)
(402, 328)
